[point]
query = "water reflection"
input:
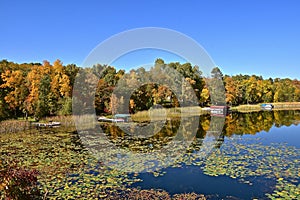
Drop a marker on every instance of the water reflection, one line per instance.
(210, 131)
(254, 122)
(244, 167)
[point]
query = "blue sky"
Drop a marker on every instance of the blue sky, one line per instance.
(248, 37)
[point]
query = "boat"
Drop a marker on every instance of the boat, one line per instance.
(50, 124)
(116, 118)
(266, 106)
(104, 119)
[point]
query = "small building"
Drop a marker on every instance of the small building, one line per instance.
(219, 110)
(122, 117)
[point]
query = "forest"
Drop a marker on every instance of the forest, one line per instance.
(45, 89)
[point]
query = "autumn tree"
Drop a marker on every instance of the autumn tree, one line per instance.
(17, 91)
(4, 107)
(216, 87)
(232, 92)
(46, 89)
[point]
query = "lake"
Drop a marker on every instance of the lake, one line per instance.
(251, 155)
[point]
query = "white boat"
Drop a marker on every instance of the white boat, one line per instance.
(50, 124)
(267, 106)
(105, 119)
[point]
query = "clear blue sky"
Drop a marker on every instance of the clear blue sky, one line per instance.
(250, 37)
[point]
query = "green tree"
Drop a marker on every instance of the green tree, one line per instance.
(66, 106)
(43, 108)
(216, 87)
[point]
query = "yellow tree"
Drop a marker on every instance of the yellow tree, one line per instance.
(13, 81)
(204, 96)
(231, 90)
(33, 83)
(268, 91)
(60, 86)
(56, 73)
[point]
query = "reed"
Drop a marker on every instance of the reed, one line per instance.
(286, 105)
(81, 122)
(277, 106)
(67, 121)
(14, 126)
(161, 114)
(246, 108)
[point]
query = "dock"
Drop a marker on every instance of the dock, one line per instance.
(44, 125)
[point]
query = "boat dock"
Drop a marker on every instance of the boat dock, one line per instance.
(44, 125)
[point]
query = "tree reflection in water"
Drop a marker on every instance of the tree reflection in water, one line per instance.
(210, 128)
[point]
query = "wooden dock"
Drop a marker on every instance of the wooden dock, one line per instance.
(44, 125)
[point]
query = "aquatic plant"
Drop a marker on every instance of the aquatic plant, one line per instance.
(285, 190)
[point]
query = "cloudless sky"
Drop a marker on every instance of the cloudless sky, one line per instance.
(250, 37)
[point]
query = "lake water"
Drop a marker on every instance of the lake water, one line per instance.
(253, 154)
(189, 178)
(241, 156)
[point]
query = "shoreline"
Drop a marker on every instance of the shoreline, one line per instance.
(277, 106)
(170, 112)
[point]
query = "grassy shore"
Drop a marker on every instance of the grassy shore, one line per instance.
(277, 106)
(14, 126)
(89, 121)
(22, 125)
(161, 114)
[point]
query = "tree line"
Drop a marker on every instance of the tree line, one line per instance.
(35, 89)
(45, 89)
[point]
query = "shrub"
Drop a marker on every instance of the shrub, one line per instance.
(18, 183)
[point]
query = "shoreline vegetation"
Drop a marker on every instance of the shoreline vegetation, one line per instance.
(197, 110)
(44, 92)
(277, 106)
(38, 90)
(49, 156)
(88, 121)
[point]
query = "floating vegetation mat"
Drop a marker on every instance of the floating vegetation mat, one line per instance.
(246, 159)
(68, 171)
